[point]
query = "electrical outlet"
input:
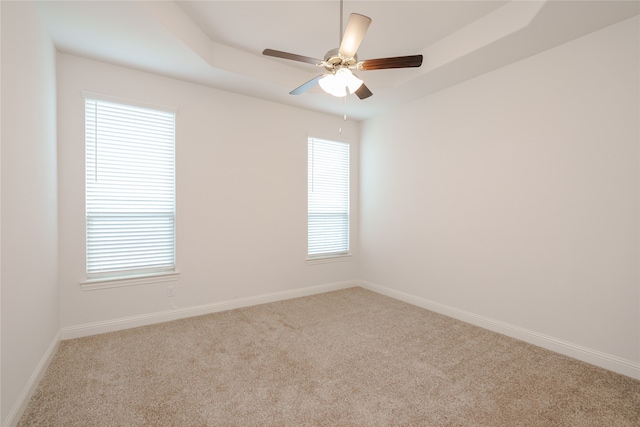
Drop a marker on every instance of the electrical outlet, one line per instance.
(171, 291)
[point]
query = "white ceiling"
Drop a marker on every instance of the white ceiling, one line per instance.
(219, 43)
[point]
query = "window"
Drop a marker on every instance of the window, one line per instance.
(328, 198)
(130, 190)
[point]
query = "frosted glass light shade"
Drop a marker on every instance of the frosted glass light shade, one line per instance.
(340, 82)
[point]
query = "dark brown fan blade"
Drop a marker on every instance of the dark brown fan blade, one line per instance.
(291, 56)
(363, 92)
(396, 62)
(305, 87)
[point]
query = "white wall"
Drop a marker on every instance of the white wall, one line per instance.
(514, 197)
(30, 305)
(241, 195)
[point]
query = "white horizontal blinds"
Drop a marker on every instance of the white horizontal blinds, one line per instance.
(328, 197)
(130, 191)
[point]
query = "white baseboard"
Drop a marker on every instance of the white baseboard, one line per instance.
(184, 312)
(594, 357)
(30, 387)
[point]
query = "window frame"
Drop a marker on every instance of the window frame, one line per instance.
(330, 256)
(127, 277)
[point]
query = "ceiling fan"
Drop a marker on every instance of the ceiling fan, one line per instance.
(339, 63)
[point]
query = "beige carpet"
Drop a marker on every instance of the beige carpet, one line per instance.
(344, 358)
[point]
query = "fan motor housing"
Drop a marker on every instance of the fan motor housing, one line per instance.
(333, 60)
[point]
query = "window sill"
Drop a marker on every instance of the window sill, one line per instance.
(328, 258)
(116, 282)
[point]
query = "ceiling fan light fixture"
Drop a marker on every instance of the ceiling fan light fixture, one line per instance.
(327, 83)
(340, 82)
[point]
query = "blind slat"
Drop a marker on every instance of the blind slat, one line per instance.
(328, 197)
(130, 189)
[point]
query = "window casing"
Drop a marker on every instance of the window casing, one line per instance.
(328, 198)
(130, 190)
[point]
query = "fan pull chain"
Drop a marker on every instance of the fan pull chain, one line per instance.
(345, 107)
(344, 116)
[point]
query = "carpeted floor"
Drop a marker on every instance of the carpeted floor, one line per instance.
(344, 358)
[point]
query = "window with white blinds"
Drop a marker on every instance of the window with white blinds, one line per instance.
(328, 198)
(130, 190)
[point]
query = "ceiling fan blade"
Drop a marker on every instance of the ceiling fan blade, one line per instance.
(363, 92)
(353, 34)
(291, 56)
(305, 87)
(396, 62)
